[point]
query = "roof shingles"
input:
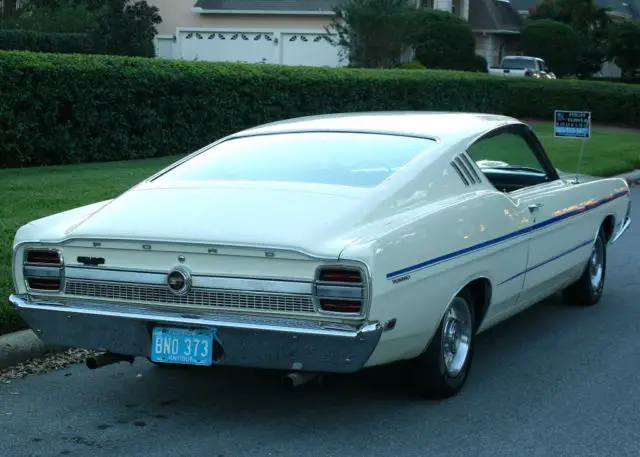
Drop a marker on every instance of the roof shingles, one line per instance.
(267, 5)
(494, 15)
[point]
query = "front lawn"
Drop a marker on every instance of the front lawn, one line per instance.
(30, 193)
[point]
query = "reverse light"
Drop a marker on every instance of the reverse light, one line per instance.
(43, 270)
(340, 291)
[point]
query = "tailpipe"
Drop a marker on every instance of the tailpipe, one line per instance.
(107, 358)
(297, 378)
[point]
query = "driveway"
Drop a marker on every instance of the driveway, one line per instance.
(554, 381)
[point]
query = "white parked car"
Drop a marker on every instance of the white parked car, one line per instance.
(324, 244)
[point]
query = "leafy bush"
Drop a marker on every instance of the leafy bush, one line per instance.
(555, 42)
(59, 109)
(414, 65)
(116, 27)
(479, 63)
(28, 40)
(443, 40)
(624, 46)
(63, 19)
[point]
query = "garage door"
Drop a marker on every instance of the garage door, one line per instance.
(309, 49)
(250, 47)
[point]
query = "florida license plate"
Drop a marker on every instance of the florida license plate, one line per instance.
(183, 346)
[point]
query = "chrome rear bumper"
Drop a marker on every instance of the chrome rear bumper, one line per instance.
(258, 342)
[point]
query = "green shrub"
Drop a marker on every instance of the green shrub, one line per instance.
(60, 109)
(479, 63)
(64, 19)
(29, 40)
(415, 65)
(555, 42)
(442, 40)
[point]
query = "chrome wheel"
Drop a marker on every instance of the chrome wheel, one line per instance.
(456, 336)
(596, 265)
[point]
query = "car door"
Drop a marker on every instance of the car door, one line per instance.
(514, 161)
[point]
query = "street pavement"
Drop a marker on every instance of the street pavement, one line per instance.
(553, 381)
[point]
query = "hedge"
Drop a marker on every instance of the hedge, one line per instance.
(30, 40)
(59, 109)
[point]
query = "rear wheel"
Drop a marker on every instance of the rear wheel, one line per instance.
(587, 290)
(441, 371)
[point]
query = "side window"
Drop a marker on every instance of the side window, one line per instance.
(507, 161)
(504, 150)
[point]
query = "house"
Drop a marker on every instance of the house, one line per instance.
(293, 32)
(496, 26)
(288, 32)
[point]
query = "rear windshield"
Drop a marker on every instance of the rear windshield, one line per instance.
(519, 64)
(348, 159)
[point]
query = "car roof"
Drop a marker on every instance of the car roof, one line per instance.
(440, 126)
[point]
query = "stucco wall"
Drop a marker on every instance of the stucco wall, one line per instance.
(177, 13)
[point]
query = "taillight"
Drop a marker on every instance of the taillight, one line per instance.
(43, 283)
(340, 275)
(43, 270)
(47, 257)
(340, 290)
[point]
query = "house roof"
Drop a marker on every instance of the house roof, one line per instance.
(494, 16)
(630, 7)
(267, 5)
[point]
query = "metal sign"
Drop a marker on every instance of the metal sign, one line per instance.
(571, 124)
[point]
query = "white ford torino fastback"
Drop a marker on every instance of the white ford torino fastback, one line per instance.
(324, 244)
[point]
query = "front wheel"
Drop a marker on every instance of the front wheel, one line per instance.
(587, 290)
(441, 371)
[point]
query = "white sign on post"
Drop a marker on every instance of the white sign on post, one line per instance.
(573, 124)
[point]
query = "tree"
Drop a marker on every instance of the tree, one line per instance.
(126, 27)
(443, 40)
(589, 20)
(555, 42)
(372, 33)
(624, 46)
(9, 8)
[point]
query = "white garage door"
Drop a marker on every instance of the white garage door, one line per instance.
(309, 49)
(250, 47)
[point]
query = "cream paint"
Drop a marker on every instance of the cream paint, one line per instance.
(177, 13)
(422, 212)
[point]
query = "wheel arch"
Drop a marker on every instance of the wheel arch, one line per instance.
(608, 226)
(481, 290)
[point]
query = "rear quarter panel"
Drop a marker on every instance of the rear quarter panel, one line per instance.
(427, 247)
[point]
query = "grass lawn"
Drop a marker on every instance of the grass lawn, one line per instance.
(31, 193)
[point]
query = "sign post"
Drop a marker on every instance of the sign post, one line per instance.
(573, 124)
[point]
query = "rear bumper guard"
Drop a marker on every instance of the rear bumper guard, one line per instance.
(257, 342)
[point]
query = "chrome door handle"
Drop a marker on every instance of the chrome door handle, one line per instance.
(535, 206)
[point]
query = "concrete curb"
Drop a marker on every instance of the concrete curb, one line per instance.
(630, 177)
(20, 346)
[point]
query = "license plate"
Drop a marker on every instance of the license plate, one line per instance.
(183, 346)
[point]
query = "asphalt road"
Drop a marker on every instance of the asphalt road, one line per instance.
(554, 381)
